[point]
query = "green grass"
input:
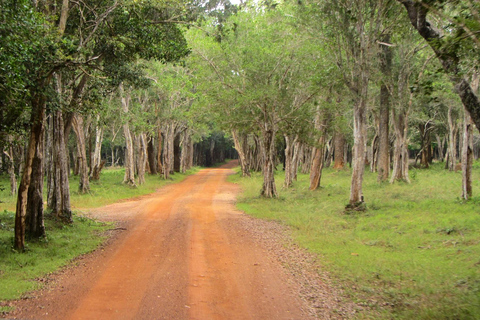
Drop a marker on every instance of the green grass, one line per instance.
(19, 271)
(414, 254)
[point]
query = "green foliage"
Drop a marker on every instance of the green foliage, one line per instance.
(412, 255)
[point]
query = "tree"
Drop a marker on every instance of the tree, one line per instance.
(256, 71)
(458, 34)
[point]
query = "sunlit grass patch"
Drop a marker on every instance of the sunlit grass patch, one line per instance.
(414, 254)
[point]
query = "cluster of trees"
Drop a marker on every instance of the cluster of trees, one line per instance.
(74, 73)
(307, 83)
(317, 79)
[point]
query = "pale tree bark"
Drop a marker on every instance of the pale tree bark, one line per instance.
(452, 139)
(269, 189)
(307, 158)
(400, 148)
(383, 164)
(79, 129)
(318, 153)
(242, 151)
(339, 152)
(467, 150)
(8, 151)
(318, 162)
(440, 144)
(60, 201)
(141, 157)
(373, 154)
(168, 146)
(97, 162)
(359, 147)
(291, 154)
(129, 177)
(159, 150)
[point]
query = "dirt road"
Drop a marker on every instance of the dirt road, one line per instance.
(183, 255)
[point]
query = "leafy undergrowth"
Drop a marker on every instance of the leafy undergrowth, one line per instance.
(414, 254)
(19, 271)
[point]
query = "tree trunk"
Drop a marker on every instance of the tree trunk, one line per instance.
(339, 153)
(269, 189)
(152, 166)
(447, 55)
(159, 150)
(359, 147)
(291, 154)
(34, 154)
(176, 153)
(129, 177)
(317, 163)
(97, 154)
(60, 202)
(241, 150)
(168, 150)
(383, 164)
(142, 157)
(11, 165)
(440, 144)
(400, 149)
(467, 150)
(452, 140)
(78, 128)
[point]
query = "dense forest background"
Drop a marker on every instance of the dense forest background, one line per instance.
(160, 86)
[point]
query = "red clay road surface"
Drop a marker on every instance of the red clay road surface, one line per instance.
(182, 256)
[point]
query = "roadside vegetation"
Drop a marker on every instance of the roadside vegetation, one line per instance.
(21, 273)
(413, 254)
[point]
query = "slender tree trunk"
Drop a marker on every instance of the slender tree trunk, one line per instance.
(159, 150)
(78, 128)
(142, 157)
(60, 204)
(317, 163)
(176, 152)
(359, 147)
(400, 149)
(97, 154)
(129, 177)
(269, 189)
(467, 150)
(339, 153)
(168, 156)
(34, 154)
(291, 159)
(452, 140)
(152, 166)
(440, 144)
(11, 165)
(241, 153)
(383, 165)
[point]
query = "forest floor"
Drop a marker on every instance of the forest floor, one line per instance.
(186, 253)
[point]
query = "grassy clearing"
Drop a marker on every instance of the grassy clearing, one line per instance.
(19, 271)
(415, 254)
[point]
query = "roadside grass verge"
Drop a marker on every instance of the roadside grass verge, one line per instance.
(414, 254)
(21, 273)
